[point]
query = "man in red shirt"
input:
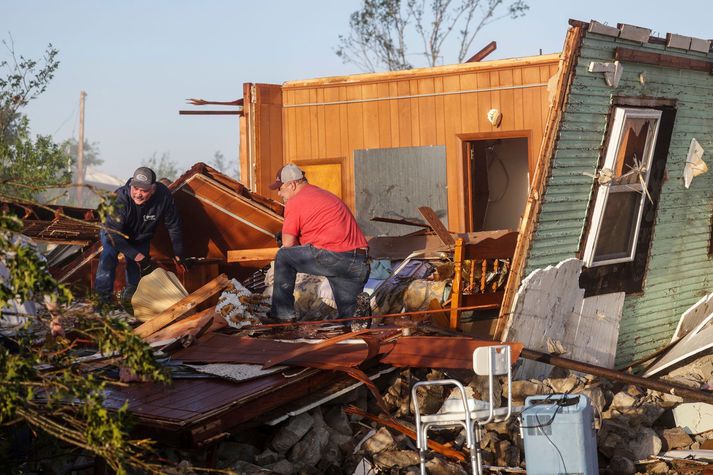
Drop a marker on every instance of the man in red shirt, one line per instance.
(320, 237)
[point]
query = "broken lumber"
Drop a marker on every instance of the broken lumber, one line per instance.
(195, 325)
(687, 394)
(181, 308)
(252, 255)
(393, 424)
(437, 225)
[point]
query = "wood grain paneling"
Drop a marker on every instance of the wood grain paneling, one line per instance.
(333, 117)
(261, 136)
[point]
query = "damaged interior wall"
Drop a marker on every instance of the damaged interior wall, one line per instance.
(326, 120)
(260, 136)
(673, 263)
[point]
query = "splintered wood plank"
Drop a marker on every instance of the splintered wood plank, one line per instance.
(392, 423)
(194, 325)
(693, 317)
(181, 308)
(249, 255)
(432, 219)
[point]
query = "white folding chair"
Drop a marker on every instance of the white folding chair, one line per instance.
(488, 361)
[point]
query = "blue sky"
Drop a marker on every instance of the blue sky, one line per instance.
(139, 60)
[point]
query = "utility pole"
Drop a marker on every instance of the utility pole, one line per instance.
(80, 151)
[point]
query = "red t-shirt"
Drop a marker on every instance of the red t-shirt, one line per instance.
(318, 217)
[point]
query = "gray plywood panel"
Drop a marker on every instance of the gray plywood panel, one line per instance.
(394, 182)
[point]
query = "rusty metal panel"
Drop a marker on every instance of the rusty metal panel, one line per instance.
(394, 182)
(438, 351)
(220, 348)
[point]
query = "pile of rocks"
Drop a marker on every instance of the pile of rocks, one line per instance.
(634, 425)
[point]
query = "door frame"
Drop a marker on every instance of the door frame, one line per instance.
(467, 179)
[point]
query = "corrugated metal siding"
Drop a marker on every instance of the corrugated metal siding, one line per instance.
(384, 190)
(679, 268)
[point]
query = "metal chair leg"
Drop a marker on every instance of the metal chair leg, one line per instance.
(423, 446)
(478, 455)
(473, 445)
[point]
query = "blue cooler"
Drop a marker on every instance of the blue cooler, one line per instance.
(558, 431)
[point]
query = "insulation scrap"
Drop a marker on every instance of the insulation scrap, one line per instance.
(236, 372)
(240, 307)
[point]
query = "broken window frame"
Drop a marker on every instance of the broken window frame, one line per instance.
(621, 117)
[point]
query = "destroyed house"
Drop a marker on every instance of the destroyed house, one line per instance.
(618, 191)
(582, 153)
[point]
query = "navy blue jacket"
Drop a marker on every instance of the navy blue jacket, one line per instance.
(139, 222)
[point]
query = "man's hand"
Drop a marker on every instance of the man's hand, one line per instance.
(181, 265)
(146, 265)
(288, 240)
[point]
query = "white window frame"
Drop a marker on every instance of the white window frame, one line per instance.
(621, 114)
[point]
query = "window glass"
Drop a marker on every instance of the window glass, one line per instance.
(622, 189)
(618, 226)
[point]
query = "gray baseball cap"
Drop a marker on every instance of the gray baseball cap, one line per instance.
(143, 178)
(287, 173)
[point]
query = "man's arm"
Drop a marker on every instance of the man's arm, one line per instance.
(115, 221)
(172, 220)
(289, 240)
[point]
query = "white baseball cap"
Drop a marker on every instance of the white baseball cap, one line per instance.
(287, 173)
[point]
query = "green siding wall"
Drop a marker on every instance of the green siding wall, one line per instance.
(679, 268)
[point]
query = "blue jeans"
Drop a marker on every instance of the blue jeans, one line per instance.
(347, 272)
(104, 281)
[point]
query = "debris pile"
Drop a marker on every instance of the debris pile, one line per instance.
(636, 429)
(240, 307)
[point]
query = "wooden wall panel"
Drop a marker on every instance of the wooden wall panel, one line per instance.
(333, 126)
(371, 116)
(534, 120)
(517, 94)
(394, 115)
(434, 106)
(440, 116)
(427, 111)
(321, 124)
(384, 116)
(415, 123)
(290, 120)
(404, 119)
(507, 103)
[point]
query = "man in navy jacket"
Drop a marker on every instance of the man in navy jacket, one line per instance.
(140, 205)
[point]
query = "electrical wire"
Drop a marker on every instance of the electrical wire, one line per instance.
(494, 155)
(560, 403)
(72, 115)
(564, 465)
